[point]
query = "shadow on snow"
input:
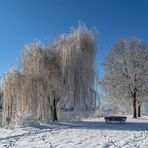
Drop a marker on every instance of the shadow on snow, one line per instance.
(97, 125)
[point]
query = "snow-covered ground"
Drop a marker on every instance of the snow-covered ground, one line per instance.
(89, 133)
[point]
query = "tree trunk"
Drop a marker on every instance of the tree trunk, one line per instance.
(54, 108)
(55, 117)
(139, 110)
(134, 108)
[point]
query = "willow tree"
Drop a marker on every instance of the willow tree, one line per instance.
(12, 90)
(77, 53)
(60, 75)
(126, 73)
(40, 67)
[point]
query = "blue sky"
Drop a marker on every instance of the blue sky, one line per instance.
(24, 21)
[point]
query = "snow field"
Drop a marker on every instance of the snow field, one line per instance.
(90, 133)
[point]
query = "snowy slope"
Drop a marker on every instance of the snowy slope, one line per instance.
(90, 133)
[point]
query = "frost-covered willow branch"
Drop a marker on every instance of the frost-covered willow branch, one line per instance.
(77, 51)
(58, 76)
(126, 70)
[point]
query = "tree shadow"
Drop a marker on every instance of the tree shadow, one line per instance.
(128, 126)
(100, 125)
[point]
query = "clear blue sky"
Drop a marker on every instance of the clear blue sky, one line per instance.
(23, 21)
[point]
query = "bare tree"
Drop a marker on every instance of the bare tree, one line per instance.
(126, 73)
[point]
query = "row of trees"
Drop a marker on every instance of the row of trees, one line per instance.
(126, 74)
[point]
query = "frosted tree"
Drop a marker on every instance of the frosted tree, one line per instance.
(58, 76)
(39, 67)
(77, 54)
(126, 73)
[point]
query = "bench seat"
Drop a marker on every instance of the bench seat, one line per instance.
(111, 119)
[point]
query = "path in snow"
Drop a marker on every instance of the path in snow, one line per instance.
(88, 134)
